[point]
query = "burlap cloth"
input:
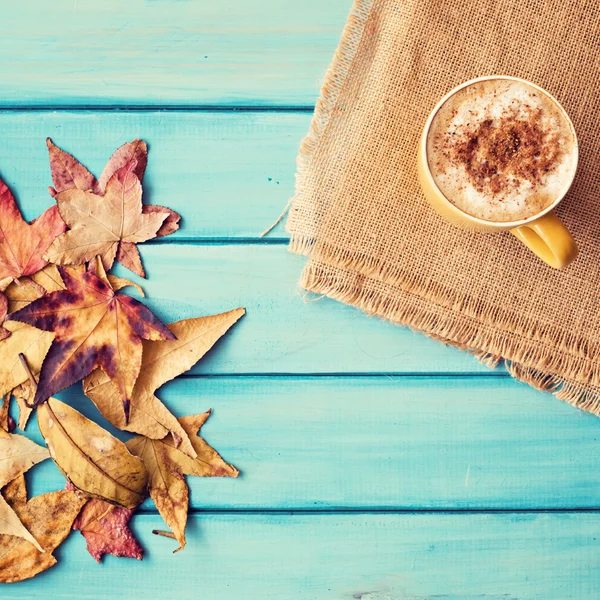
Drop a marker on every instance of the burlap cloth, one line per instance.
(372, 240)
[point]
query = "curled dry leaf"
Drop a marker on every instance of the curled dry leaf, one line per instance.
(91, 458)
(166, 466)
(93, 328)
(104, 527)
(27, 289)
(161, 362)
(17, 455)
(49, 518)
(22, 244)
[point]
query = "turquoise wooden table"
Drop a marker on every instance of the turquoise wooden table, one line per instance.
(376, 463)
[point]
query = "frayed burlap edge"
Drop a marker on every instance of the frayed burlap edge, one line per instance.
(536, 365)
(303, 243)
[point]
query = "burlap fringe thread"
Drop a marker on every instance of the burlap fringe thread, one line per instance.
(473, 336)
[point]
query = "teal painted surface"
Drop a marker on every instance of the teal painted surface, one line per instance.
(345, 557)
(166, 52)
(369, 443)
(407, 459)
(229, 174)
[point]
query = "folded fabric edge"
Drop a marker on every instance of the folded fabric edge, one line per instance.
(569, 378)
(303, 228)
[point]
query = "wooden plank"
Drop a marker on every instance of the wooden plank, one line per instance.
(344, 557)
(162, 52)
(281, 333)
(228, 174)
(382, 443)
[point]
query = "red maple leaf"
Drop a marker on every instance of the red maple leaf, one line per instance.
(22, 244)
(104, 526)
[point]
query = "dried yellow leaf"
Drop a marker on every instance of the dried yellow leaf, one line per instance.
(17, 455)
(166, 466)
(161, 362)
(91, 458)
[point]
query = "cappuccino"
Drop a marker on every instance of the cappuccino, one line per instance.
(501, 150)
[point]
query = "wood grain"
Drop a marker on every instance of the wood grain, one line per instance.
(77, 52)
(229, 174)
(372, 443)
(343, 557)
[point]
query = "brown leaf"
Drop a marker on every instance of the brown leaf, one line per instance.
(161, 362)
(25, 290)
(91, 458)
(17, 455)
(136, 151)
(129, 256)
(10, 524)
(170, 224)
(25, 339)
(93, 328)
(118, 283)
(49, 518)
(104, 526)
(22, 244)
(98, 224)
(15, 492)
(166, 466)
(67, 172)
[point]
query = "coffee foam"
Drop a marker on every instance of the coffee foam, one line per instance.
(501, 150)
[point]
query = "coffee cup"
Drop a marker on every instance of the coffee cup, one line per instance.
(498, 178)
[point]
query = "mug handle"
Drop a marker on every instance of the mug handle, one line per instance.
(549, 239)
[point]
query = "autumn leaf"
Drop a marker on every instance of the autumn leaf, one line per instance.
(99, 224)
(167, 465)
(25, 290)
(48, 518)
(95, 462)
(27, 340)
(17, 455)
(69, 174)
(22, 244)
(137, 151)
(93, 327)
(15, 492)
(10, 524)
(104, 526)
(161, 362)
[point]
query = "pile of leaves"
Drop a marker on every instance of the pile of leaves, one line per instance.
(64, 319)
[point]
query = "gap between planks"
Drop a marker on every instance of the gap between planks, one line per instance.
(272, 108)
(382, 511)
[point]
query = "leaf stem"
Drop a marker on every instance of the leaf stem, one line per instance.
(166, 534)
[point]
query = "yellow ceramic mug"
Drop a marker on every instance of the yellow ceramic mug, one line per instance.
(543, 233)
